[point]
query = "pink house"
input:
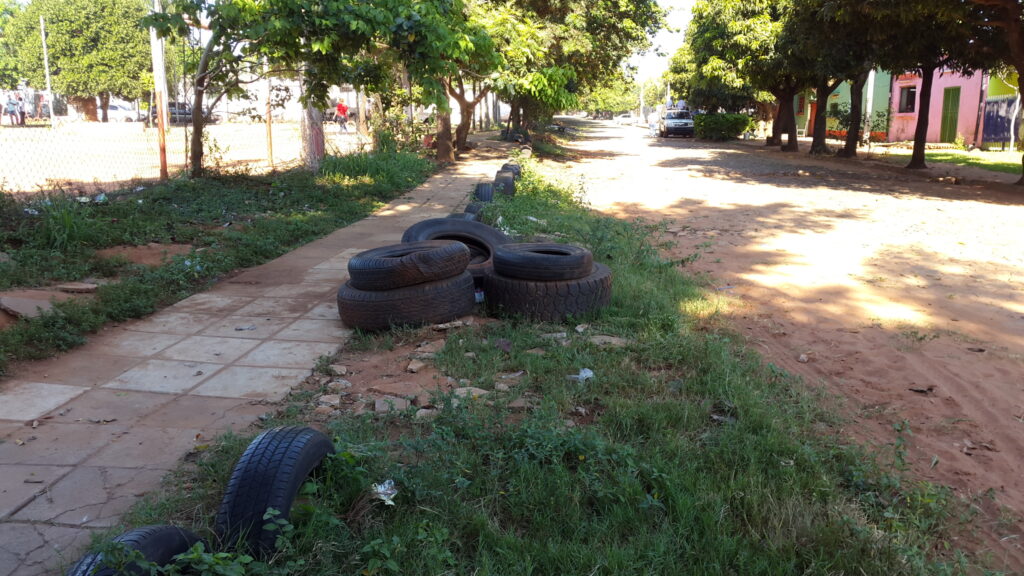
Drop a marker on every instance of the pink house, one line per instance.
(955, 103)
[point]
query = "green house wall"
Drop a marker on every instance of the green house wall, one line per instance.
(880, 102)
(999, 88)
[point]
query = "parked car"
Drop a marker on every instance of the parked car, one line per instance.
(625, 119)
(676, 122)
(181, 113)
(120, 113)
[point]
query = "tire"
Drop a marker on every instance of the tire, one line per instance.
(158, 544)
(430, 303)
(401, 265)
(515, 169)
(484, 192)
(268, 475)
(505, 182)
(545, 261)
(478, 237)
(526, 151)
(474, 208)
(549, 301)
(462, 216)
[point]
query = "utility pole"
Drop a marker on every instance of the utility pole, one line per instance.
(156, 47)
(270, 120)
(869, 90)
(46, 67)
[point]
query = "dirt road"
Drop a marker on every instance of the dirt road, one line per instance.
(902, 296)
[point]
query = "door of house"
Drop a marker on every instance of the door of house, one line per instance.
(950, 114)
(810, 120)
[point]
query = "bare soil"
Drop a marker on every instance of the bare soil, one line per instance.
(902, 296)
(149, 255)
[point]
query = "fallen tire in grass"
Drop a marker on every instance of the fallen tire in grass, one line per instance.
(526, 151)
(484, 192)
(407, 264)
(474, 208)
(478, 237)
(505, 182)
(542, 261)
(552, 301)
(462, 216)
(158, 544)
(515, 169)
(428, 303)
(268, 475)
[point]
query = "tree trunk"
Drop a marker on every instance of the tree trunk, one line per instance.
(856, 116)
(361, 122)
(86, 106)
(443, 138)
(822, 92)
(313, 148)
(104, 105)
(775, 138)
(196, 153)
(921, 132)
(787, 116)
(515, 115)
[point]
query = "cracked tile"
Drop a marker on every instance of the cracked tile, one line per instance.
(58, 444)
(145, 447)
(91, 497)
(324, 311)
(250, 382)
(26, 401)
(165, 376)
(311, 330)
(212, 415)
(121, 406)
(209, 349)
(38, 550)
(252, 327)
(284, 354)
(22, 483)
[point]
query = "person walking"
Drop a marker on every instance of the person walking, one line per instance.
(21, 110)
(341, 115)
(11, 109)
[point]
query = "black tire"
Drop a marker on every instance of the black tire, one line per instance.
(158, 544)
(515, 169)
(474, 208)
(484, 192)
(268, 475)
(462, 216)
(430, 303)
(478, 237)
(549, 301)
(407, 264)
(542, 261)
(505, 183)
(526, 151)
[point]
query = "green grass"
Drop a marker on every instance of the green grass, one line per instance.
(231, 222)
(1008, 162)
(685, 454)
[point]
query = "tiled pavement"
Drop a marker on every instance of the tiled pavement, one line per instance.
(116, 414)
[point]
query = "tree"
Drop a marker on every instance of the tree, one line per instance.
(618, 95)
(8, 56)
(699, 75)
(96, 48)
(1008, 17)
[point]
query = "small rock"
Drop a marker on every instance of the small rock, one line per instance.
(431, 347)
(425, 415)
(569, 424)
(803, 359)
(469, 392)
(323, 410)
(381, 405)
(580, 329)
(582, 411)
(448, 325)
(501, 387)
(415, 366)
(329, 400)
(77, 288)
(470, 354)
(422, 355)
(25, 307)
(339, 384)
(520, 404)
(536, 351)
(339, 369)
(512, 375)
(4, 258)
(612, 341)
(555, 336)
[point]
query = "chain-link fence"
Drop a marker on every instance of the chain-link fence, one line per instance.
(86, 157)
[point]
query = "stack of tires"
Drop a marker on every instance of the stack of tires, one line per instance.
(479, 239)
(267, 476)
(546, 281)
(409, 284)
(504, 183)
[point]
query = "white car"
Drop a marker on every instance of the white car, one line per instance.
(121, 113)
(626, 119)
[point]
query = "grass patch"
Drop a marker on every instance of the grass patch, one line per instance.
(231, 221)
(684, 454)
(1008, 162)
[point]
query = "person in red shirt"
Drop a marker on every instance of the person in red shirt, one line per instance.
(341, 115)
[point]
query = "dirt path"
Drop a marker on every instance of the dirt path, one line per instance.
(904, 297)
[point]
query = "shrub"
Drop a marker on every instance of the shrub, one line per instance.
(721, 126)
